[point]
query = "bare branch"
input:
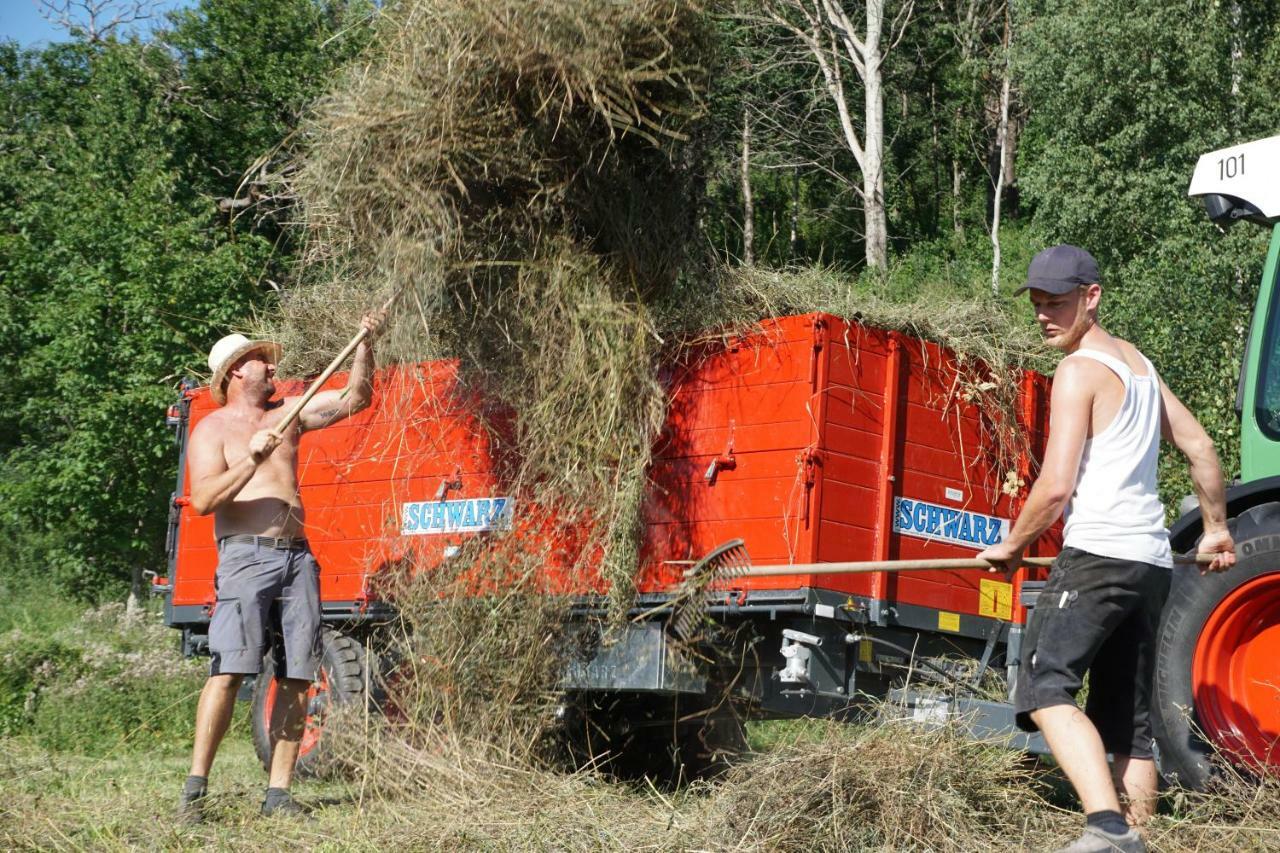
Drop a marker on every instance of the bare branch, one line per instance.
(828, 62)
(95, 20)
(835, 82)
(840, 23)
(900, 23)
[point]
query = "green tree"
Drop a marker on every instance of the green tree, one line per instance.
(249, 71)
(117, 269)
(1114, 133)
(122, 276)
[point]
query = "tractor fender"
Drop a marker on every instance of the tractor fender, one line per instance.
(1243, 496)
(1212, 649)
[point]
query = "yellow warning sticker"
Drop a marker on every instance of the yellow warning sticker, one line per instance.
(864, 651)
(995, 599)
(948, 621)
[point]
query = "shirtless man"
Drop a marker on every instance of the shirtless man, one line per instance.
(267, 581)
(1100, 609)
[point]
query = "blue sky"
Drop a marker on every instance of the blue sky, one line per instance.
(21, 20)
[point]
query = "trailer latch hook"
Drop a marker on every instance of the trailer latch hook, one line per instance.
(724, 462)
(452, 482)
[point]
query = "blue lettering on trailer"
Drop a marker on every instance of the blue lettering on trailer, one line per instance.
(925, 520)
(472, 515)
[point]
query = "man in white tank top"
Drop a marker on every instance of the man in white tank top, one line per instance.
(1100, 609)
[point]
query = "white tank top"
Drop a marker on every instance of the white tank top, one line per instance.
(1115, 510)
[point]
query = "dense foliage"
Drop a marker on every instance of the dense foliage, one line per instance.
(118, 267)
(1113, 135)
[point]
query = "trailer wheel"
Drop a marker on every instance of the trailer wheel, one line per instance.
(340, 682)
(1217, 684)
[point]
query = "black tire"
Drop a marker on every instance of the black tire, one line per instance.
(341, 684)
(1184, 755)
(670, 740)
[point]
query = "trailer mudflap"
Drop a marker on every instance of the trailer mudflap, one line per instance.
(635, 657)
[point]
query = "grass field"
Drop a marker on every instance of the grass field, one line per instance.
(63, 801)
(914, 799)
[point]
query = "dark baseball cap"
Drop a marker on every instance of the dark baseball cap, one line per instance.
(1060, 269)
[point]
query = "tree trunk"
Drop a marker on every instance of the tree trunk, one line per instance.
(877, 229)
(1003, 136)
(1237, 50)
(748, 210)
(795, 213)
(827, 31)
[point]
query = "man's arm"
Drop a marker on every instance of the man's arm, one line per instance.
(1180, 427)
(1070, 413)
(329, 407)
(213, 483)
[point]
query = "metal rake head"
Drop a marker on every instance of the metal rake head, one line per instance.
(725, 562)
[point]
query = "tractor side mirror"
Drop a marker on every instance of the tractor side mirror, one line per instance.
(1225, 210)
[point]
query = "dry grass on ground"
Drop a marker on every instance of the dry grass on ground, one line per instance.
(819, 787)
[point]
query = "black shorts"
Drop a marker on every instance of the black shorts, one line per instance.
(1100, 615)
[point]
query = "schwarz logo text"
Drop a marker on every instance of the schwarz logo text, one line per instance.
(947, 524)
(472, 515)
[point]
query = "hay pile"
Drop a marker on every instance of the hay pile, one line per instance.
(888, 786)
(827, 786)
(523, 169)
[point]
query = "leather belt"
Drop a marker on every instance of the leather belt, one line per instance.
(279, 543)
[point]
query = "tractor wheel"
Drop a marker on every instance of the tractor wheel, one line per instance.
(1217, 684)
(340, 683)
(668, 739)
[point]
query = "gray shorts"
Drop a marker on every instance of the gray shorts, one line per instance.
(266, 598)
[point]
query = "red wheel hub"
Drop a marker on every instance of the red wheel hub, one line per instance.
(317, 703)
(1236, 673)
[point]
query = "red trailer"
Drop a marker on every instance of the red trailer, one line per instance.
(813, 439)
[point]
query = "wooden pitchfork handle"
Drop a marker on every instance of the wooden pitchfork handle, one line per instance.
(868, 566)
(361, 335)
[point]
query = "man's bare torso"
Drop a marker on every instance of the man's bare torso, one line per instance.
(269, 504)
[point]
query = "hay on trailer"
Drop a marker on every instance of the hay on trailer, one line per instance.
(530, 171)
(990, 346)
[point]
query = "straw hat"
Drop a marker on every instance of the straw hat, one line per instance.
(226, 352)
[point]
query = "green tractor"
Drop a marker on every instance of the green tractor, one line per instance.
(1218, 671)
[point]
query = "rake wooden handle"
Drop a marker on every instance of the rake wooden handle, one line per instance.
(314, 388)
(867, 566)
